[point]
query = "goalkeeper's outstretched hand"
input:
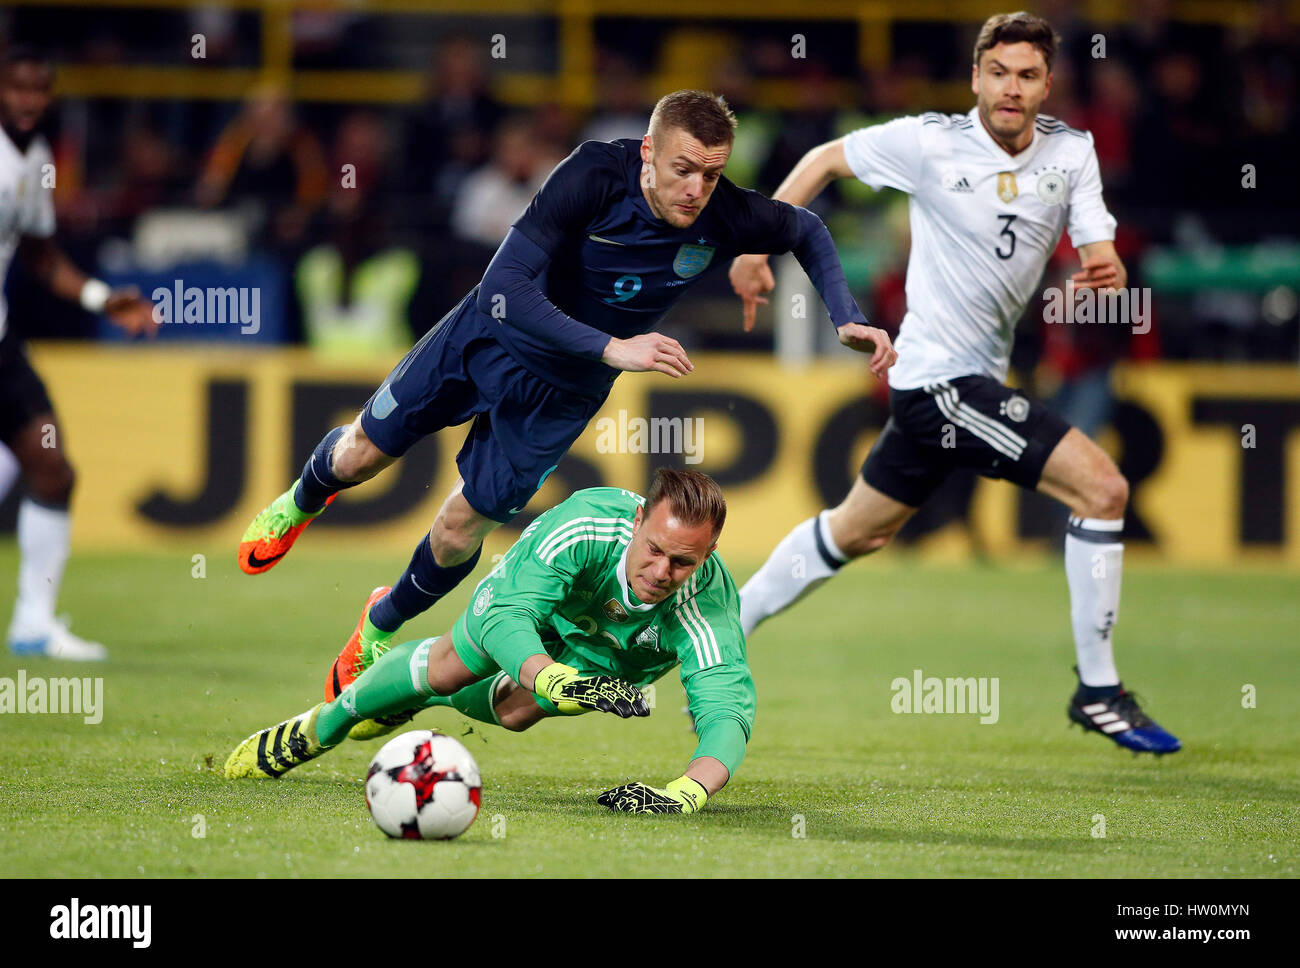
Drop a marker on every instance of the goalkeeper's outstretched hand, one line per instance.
(574, 694)
(682, 795)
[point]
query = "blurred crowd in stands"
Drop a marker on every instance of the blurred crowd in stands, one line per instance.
(380, 217)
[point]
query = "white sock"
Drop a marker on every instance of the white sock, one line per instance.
(9, 470)
(43, 550)
(1094, 564)
(796, 566)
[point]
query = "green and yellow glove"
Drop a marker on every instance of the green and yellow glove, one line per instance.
(682, 795)
(573, 694)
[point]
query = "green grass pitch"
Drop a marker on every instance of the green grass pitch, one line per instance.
(835, 783)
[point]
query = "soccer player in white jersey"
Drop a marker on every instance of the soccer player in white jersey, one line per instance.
(990, 193)
(28, 426)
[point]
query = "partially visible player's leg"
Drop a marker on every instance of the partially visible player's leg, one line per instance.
(345, 457)
(816, 549)
(404, 679)
(276, 750)
(428, 390)
(497, 700)
(1084, 478)
(898, 476)
(397, 681)
(517, 709)
(43, 525)
(456, 673)
(443, 558)
(511, 448)
(44, 531)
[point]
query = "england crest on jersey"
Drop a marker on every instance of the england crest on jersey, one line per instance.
(384, 403)
(692, 260)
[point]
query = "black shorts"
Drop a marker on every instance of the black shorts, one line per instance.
(972, 421)
(22, 394)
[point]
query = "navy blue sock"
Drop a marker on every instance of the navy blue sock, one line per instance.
(318, 481)
(422, 584)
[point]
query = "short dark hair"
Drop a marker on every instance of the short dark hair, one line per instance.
(701, 114)
(25, 54)
(694, 498)
(1015, 28)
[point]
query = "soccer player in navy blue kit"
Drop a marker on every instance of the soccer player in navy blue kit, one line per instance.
(617, 234)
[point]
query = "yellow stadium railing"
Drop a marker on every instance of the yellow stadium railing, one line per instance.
(575, 82)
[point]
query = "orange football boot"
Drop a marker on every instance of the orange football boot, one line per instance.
(273, 532)
(357, 655)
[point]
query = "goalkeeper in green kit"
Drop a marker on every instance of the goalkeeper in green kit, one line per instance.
(601, 595)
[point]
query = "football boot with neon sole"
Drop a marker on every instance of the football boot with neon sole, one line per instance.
(369, 729)
(273, 532)
(274, 751)
(1120, 719)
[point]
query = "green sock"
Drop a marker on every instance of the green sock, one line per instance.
(477, 701)
(396, 682)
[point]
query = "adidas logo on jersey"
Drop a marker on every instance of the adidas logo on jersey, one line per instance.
(954, 184)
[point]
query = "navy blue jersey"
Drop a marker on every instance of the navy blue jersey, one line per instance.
(613, 268)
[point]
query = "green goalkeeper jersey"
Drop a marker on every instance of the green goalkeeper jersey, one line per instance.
(562, 588)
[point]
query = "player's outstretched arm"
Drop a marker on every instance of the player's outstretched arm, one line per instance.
(750, 275)
(773, 225)
(124, 307)
(817, 169)
(815, 250)
(705, 634)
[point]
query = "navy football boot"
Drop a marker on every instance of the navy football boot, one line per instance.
(1121, 719)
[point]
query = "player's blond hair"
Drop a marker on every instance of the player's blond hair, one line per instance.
(693, 498)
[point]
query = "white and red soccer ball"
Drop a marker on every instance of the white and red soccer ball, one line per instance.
(423, 786)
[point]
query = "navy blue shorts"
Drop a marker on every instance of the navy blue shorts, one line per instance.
(972, 421)
(522, 426)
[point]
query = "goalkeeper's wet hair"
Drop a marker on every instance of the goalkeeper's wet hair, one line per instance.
(694, 498)
(701, 114)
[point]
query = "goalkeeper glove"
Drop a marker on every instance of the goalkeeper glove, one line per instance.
(682, 795)
(573, 694)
